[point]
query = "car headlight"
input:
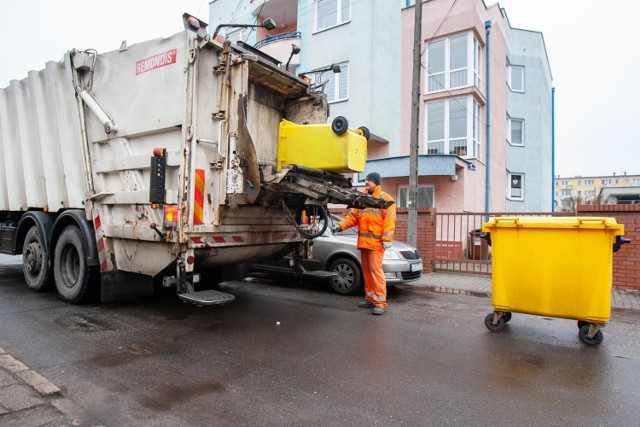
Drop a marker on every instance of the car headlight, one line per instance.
(392, 254)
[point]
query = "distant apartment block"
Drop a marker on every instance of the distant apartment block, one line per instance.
(606, 190)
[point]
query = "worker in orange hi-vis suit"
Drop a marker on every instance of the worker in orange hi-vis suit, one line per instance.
(375, 234)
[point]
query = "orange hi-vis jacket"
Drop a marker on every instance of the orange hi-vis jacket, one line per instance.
(374, 225)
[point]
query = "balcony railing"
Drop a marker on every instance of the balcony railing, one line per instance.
(277, 37)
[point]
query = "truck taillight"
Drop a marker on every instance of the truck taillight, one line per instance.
(171, 216)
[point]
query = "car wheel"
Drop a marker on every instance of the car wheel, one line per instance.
(349, 278)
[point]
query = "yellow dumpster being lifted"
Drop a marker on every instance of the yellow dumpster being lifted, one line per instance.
(332, 147)
(553, 266)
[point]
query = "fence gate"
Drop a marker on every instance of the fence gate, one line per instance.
(459, 246)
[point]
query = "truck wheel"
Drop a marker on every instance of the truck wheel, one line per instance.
(76, 281)
(349, 279)
(35, 262)
(339, 125)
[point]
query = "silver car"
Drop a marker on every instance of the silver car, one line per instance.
(338, 255)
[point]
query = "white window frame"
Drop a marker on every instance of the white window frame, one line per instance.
(448, 145)
(237, 34)
(340, 19)
(442, 80)
(333, 86)
(510, 189)
(510, 120)
(510, 70)
(403, 196)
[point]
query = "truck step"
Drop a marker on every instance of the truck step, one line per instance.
(209, 297)
(319, 274)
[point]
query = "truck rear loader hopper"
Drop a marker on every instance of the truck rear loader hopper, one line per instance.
(158, 160)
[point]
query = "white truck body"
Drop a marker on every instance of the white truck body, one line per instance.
(79, 136)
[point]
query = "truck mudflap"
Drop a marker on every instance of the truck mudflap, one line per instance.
(321, 187)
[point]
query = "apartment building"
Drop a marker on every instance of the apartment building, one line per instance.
(484, 132)
(613, 189)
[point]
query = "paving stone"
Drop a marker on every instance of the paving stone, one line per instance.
(17, 397)
(6, 379)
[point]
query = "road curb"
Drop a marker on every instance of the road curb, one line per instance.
(39, 383)
(452, 291)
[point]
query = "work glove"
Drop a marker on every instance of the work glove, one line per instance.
(336, 229)
(386, 245)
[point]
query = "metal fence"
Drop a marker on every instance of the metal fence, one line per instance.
(459, 246)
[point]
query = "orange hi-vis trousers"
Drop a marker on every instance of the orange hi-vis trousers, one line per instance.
(375, 285)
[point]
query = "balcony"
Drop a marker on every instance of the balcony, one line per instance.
(279, 46)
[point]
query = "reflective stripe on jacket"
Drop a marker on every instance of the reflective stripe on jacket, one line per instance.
(374, 225)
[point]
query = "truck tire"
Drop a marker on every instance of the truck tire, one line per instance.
(36, 267)
(76, 281)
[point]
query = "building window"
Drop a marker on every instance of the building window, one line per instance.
(453, 62)
(237, 35)
(515, 186)
(453, 127)
(336, 85)
(424, 198)
(330, 13)
(515, 78)
(589, 182)
(515, 131)
(605, 181)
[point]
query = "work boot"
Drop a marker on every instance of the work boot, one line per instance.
(378, 310)
(365, 304)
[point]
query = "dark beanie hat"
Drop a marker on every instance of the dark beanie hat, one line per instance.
(375, 177)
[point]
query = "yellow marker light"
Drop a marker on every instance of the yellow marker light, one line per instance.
(171, 215)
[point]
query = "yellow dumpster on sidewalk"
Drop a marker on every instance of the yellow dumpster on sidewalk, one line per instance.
(553, 266)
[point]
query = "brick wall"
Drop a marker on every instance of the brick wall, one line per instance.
(626, 262)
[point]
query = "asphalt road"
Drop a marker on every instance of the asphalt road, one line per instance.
(428, 361)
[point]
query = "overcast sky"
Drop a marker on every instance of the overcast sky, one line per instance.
(594, 59)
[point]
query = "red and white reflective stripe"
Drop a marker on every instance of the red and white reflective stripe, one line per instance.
(221, 239)
(102, 250)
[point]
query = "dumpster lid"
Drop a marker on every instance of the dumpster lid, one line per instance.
(590, 222)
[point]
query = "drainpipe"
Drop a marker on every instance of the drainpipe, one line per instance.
(553, 149)
(487, 190)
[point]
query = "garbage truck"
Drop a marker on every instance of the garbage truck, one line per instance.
(163, 162)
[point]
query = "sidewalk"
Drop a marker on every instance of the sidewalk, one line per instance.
(480, 285)
(26, 397)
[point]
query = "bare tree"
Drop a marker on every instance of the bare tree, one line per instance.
(570, 204)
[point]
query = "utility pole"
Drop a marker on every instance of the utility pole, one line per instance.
(412, 217)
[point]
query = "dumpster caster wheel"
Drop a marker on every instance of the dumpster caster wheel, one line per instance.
(507, 317)
(365, 132)
(583, 334)
(498, 327)
(581, 323)
(339, 125)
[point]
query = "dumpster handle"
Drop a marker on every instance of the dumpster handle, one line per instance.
(620, 240)
(596, 220)
(516, 221)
